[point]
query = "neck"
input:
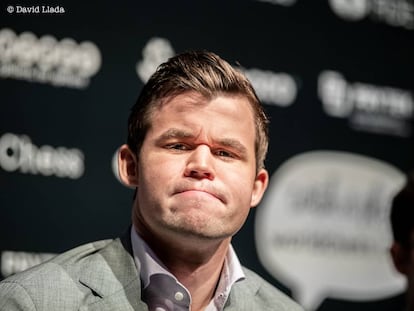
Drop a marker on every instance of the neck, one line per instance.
(196, 264)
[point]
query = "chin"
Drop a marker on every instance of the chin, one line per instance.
(201, 232)
(199, 225)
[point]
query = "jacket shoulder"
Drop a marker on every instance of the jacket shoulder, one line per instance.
(67, 260)
(55, 278)
(80, 252)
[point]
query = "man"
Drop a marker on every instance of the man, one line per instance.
(197, 140)
(402, 224)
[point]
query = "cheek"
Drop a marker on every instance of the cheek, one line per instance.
(158, 173)
(157, 166)
(241, 202)
(241, 189)
(149, 178)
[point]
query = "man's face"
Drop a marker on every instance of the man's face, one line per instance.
(196, 172)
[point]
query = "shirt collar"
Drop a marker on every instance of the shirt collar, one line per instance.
(231, 273)
(146, 261)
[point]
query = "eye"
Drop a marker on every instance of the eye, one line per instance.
(177, 146)
(224, 154)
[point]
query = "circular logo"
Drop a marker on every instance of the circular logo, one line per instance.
(156, 51)
(332, 90)
(352, 10)
(10, 9)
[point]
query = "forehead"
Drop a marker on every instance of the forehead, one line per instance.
(226, 112)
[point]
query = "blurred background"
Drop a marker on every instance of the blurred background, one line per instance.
(336, 78)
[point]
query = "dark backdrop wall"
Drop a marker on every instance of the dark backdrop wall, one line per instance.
(336, 78)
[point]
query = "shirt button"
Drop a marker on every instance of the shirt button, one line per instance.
(178, 296)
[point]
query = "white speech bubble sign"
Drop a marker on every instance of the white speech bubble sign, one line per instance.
(323, 227)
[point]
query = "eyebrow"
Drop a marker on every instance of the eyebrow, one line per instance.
(173, 133)
(234, 144)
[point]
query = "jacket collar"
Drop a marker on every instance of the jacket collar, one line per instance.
(112, 276)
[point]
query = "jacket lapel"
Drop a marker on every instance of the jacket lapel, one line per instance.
(112, 276)
(242, 294)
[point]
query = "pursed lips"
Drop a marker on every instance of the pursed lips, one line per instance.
(207, 191)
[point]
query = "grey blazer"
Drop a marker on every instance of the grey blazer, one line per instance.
(102, 276)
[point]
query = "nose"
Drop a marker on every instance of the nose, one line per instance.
(200, 163)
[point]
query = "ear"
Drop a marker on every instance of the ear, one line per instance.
(400, 257)
(259, 187)
(128, 166)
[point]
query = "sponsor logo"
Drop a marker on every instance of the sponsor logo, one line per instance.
(323, 228)
(18, 153)
(378, 109)
(47, 60)
(352, 10)
(14, 262)
(156, 51)
(272, 88)
(398, 13)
